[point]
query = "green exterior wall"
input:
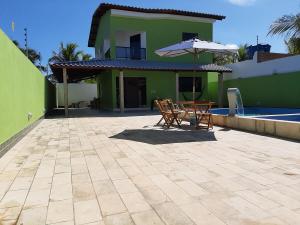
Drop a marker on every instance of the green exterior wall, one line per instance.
(159, 33)
(23, 89)
(158, 84)
(104, 88)
(278, 90)
(103, 31)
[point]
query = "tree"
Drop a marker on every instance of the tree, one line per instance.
(242, 52)
(33, 56)
(293, 45)
(86, 57)
(288, 25)
(69, 53)
(221, 59)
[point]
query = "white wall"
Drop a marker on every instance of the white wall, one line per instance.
(123, 38)
(251, 68)
(77, 92)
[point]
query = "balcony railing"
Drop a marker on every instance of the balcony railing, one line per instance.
(130, 53)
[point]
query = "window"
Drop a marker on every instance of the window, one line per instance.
(187, 36)
(186, 84)
(107, 54)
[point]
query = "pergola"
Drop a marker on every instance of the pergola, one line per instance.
(75, 71)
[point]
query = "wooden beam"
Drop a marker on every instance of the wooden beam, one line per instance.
(121, 90)
(65, 79)
(177, 86)
(220, 90)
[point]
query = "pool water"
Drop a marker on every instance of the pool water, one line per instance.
(287, 114)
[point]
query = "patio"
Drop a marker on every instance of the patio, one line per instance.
(109, 170)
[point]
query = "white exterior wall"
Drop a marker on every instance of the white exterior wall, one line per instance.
(76, 93)
(123, 38)
(251, 68)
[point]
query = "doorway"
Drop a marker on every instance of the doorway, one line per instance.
(135, 46)
(135, 95)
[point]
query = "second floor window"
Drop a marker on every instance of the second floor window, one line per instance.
(187, 36)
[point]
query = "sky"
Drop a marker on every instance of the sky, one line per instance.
(50, 22)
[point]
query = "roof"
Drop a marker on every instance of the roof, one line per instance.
(104, 7)
(78, 70)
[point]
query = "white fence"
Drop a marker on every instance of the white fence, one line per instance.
(251, 68)
(76, 93)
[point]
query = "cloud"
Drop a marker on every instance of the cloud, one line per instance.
(232, 46)
(242, 2)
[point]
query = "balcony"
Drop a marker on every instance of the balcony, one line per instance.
(130, 53)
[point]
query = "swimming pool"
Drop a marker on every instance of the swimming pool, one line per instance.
(278, 122)
(285, 114)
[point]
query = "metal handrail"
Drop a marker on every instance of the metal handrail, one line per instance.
(130, 53)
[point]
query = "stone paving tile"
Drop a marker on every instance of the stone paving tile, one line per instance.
(147, 218)
(64, 223)
(10, 214)
(121, 170)
(200, 215)
(125, 186)
(104, 187)
(60, 211)
(37, 198)
(61, 192)
(87, 212)
(61, 179)
(172, 214)
(21, 183)
(118, 219)
(83, 191)
(246, 208)
(41, 183)
(153, 195)
(135, 202)
(13, 199)
(33, 216)
(111, 204)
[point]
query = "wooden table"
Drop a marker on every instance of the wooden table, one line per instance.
(200, 110)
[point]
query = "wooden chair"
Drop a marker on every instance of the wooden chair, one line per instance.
(168, 112)
(203, 116)
(187, 110)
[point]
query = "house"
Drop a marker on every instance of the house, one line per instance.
(129, 73)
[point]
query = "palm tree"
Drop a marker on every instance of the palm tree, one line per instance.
(69, 53)
(288, 25)
(242, 51)
(86, 57)
(293, 45)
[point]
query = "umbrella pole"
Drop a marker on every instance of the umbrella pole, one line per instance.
(194, 89)
(194, 79)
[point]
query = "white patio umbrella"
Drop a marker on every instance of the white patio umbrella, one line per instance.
(196, 47)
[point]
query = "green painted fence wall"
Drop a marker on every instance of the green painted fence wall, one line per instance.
(278, 90)
(212, 86)
(23, 90)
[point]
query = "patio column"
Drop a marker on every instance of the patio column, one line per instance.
(121, 90)
(220, 90)
(65, 79)
(177, 86)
